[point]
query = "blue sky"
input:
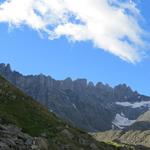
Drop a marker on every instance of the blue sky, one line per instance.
(29, 53)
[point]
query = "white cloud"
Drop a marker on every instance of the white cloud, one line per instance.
(111, 25)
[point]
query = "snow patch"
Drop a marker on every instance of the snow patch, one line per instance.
(75, 107)
(51, 110)
(121, 121)
(134, 105)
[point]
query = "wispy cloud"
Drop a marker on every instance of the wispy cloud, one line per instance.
(112, 25)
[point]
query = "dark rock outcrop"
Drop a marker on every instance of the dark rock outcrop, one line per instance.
(12, 138)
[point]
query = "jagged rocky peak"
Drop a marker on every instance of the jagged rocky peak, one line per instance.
(91, 84)
(5, 67)
(104, 88)
(123, 87)
(2, 65)
(66, 84)
(99, 85)
(68, 80)
(42, 77)
(81, 82)
(122, 91)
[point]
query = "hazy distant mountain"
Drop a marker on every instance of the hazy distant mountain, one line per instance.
(92, 107)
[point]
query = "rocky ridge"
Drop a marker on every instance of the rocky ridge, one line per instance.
(85, 105)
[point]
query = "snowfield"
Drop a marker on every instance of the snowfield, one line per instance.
(134, 105)
(121, 121)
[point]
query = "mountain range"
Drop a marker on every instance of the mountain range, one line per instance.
(27, 125)
(92, 107)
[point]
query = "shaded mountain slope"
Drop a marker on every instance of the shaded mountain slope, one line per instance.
(34, 119)
(137, 133)
(91, 107)
(142, 123)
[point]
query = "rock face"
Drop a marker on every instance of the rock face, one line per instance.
(91, 107)
(12, 138)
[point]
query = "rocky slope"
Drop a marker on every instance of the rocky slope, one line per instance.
(142, 123)
(91, 107)
(27, 125)
(137, 133)
(133, 137)
(12, 138)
